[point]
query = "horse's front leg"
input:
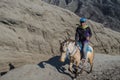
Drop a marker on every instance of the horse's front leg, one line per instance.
(71, 64)
(70, 67)
(76, 69)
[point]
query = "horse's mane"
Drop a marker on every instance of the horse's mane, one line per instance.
(70, 40)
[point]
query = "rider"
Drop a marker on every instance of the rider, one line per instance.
(82, 37)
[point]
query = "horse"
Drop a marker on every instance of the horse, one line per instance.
(68, 47)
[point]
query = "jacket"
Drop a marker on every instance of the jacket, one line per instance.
(82, 33)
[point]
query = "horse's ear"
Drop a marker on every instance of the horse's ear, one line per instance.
(68, 35)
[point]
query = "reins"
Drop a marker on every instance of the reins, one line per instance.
(73, 51)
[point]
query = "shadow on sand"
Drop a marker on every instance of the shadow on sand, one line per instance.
(11, 67)
(54, 61)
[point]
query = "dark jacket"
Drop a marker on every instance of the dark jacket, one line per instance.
(82, 33)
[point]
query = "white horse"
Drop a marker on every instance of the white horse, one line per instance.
(67, 47)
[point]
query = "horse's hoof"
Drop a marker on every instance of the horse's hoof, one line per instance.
(70, 70)
(88, 72)
(74, 79)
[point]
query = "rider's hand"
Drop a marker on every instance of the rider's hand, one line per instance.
(88, 38)
(75, 43)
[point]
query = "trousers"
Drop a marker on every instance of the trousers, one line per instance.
(83, 48)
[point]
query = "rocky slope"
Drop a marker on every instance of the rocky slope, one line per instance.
(31, 29)
(103, 11)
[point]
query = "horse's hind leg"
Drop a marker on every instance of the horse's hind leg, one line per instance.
(91, 64)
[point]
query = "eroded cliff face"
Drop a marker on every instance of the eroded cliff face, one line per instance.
(102, 11)
(33, 26)
(30, 29)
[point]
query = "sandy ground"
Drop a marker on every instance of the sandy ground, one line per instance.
(106, 67)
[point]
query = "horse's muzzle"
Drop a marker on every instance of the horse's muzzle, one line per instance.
(62, 60)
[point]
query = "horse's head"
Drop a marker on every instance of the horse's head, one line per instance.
(63, 48)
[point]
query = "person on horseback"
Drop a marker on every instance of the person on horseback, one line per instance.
(82, 37)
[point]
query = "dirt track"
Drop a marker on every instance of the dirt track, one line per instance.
(106, 67)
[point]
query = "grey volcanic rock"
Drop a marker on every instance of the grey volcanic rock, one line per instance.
(103, 11)
(30, 31)
(104, 39)
(34, 72)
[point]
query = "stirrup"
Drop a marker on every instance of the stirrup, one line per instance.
(83, 60)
